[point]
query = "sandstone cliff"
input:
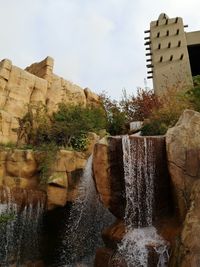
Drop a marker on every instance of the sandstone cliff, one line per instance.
(37, 83)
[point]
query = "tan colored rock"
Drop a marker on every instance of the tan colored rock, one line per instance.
(183, 152)
(7, 124)
(37, 83)
(39, 92)
(81, 159)
(91, 98)
(189, 250)
(3, 158)
(59, 179)
(21, 163)
(19, 182)
(69, 161)
(57, 196)
(43, 69)
(65, 161)
(61, 90)
(5, 68)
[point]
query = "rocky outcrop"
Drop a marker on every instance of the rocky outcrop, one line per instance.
(36, 84)
(183, 152)
(190, 237)
(20, 169)
(108, 174)
(109, 178)
(22, 197)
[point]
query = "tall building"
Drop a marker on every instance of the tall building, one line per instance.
(173, 55)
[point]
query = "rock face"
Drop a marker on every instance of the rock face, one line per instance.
(190, 237)
(20, 169)
(37, 83)
(109, 178)
(108, 174)
(183, 152)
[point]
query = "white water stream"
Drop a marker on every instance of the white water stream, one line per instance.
(87, 219)
(141, 236)
(20, 230)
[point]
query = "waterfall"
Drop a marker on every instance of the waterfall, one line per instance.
(139, 174)
(87, 219)
(20, 228)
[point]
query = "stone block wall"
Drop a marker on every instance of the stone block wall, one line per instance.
(37, 83)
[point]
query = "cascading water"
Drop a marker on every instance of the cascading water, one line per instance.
(87, 219)
(139, 174)
(20, 229)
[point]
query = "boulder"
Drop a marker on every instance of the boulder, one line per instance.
(108, 174)
(91, 98)
(21, 163)
(19, 168)
(43, 69)
(113, 235)
(56, 196)
(183, 153)
(190, 237)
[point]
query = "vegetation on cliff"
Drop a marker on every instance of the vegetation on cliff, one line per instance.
(158, 113)
(67, 127)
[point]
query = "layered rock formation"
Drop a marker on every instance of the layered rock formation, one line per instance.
(20, 169)
(183, 150)
(109, 178)
(37, 83)
(108, 174)
(183, 147)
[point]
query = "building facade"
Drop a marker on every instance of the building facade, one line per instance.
(173, 55)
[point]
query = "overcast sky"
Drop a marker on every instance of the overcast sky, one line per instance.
(95, 43)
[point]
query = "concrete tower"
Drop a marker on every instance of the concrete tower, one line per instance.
(171, 54)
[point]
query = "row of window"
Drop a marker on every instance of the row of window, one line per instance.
(169, 45)
(171, 58)
(168, 33)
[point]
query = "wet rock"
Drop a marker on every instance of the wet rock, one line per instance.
(108, 174)
(22, 197)
(106, 257)
(190, 237)
(183, 152)
(57, 196)
(113, 235)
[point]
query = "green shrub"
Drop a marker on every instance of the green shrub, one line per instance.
(80, 142)
(154, 128)
(172, 104)
(194, 94)
(70, 124)
(45, 160)
(116, 120)
(67, 127)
